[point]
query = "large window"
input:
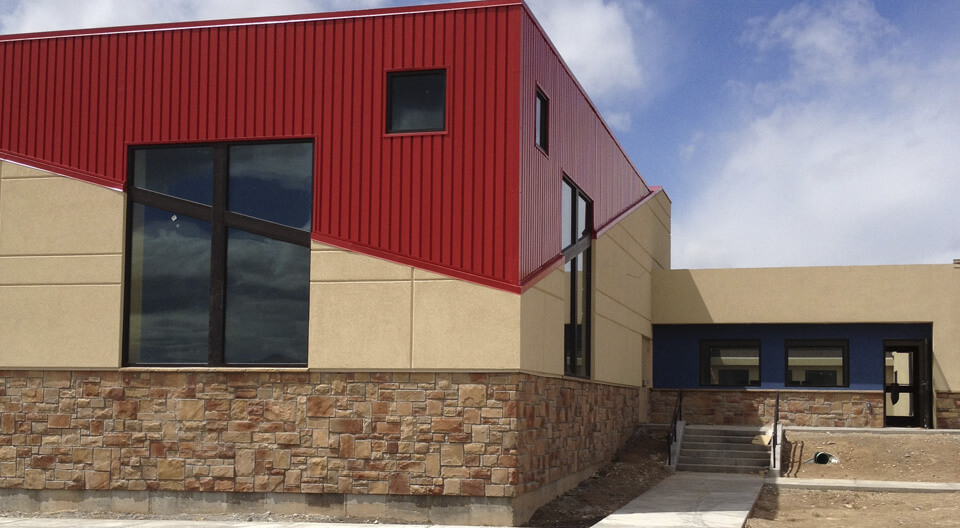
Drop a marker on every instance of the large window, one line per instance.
(730, 363)
(817, 363)
(416, 101)
(542, 126)
(218, 255)
(576, 239)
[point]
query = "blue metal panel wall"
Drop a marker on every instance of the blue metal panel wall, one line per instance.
(676, 350)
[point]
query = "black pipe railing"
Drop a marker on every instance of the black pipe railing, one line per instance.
(672, 436)
(775, 437)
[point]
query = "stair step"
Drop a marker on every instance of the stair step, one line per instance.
(723, 453)
(726, 461)
(717, 468)
(723, 450)
(723, 446)
(719, 439)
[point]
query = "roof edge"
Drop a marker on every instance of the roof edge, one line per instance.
(275, 19)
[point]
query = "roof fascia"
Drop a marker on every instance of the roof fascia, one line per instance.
(280, 19)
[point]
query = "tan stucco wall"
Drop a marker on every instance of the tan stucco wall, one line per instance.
(853, 294)
(61, 303)
(623, 260)
(61, 266)
(368, 313)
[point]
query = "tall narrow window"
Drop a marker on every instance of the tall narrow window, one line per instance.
(218, 254)
(576, 239)
(416, 101)
(542, 121)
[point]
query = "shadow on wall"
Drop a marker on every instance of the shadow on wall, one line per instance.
(676, 296)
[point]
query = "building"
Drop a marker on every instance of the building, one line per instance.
(351, 263)
(861, 346)
(384, 263)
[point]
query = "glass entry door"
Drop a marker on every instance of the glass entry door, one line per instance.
(906, 368)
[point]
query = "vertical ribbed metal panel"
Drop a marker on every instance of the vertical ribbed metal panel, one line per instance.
(579, 145)
(449, 201)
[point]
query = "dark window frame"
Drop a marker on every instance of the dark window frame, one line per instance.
(843, 344)
(389, 127)
(221, 220)
(705, 367)
(578, 253)
(542, 121)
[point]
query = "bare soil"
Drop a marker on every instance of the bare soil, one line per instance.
(817, 509)
(889, 457)
(636, 468)
(866, 456)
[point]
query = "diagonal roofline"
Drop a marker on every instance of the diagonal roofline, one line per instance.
(275, 19)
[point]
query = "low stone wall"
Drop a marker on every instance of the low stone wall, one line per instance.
(757, 407)
(948, 410)
(493, 437)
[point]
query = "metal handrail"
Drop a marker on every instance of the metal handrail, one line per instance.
(775, 437)
(672, 436)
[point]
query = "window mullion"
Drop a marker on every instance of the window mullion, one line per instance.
(218, 256)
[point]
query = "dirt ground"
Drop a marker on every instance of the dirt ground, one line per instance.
(906, 457)
(819, 509)
(892, 457)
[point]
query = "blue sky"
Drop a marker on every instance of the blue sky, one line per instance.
(786, 133)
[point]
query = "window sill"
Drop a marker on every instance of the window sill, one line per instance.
(141, 368)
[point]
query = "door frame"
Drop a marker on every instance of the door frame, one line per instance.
(920, 387)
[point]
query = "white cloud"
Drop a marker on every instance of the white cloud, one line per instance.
(49, 15)
(849, 159)
(596, 38)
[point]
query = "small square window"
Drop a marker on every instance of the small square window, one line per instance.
(416, 101)
(542, 120)
(816, 363)
(730, 363)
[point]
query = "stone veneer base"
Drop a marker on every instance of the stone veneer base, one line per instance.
(424, 509)
(425, 446)
(804, 408)
(948, 410)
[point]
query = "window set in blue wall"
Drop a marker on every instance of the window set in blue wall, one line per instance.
(778, 356)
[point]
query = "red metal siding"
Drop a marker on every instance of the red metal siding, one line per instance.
(448, 202)
(579, 146)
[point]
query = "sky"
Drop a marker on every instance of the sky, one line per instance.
(786, 133)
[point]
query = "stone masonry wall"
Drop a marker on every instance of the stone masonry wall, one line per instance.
(757, 407)
(473, 435)
(948, 410)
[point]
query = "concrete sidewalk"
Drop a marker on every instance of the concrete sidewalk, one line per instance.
(712, 500)
(865, 485)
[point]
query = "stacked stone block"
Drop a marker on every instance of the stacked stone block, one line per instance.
(440, 434)
(948, 410)
(757, 407)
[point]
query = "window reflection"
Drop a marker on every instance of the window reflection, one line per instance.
(183, 172)
(416, 101)
(272, 182)
(169, 287)
(267, 300)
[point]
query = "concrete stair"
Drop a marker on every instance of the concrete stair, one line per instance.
(715, 449)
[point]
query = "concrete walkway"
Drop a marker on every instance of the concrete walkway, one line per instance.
(865, 485)
(713, 500)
